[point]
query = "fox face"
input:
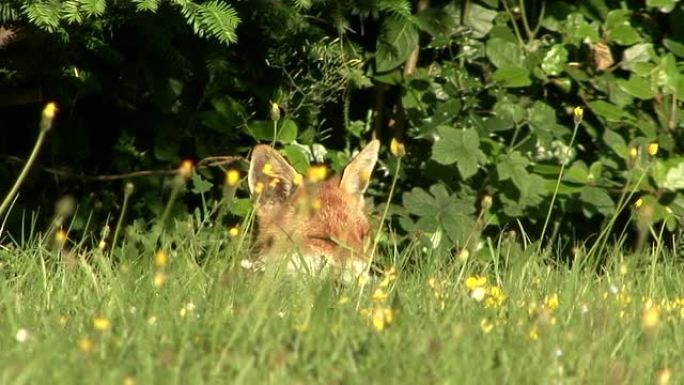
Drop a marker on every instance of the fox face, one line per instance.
(311, 224)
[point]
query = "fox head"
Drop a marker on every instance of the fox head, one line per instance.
(309, 223)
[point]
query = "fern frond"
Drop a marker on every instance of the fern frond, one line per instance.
(400, 8)
(8, 13)
(43, 15)
(71, 12)
(93, 7)
(220, 20)
(146, 5)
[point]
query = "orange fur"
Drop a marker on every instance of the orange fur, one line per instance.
(310, 221)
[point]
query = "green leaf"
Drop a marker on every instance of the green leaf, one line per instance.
(637, 86)
(398, 38)
(554, 60)
(503, 53)
(577, 30)
(668, 75)
(419, 202)
(458, 146)
(513, 166)
(287, 131)
(513, 77)
(297, 157)
(608, 111)
(674, 179)
(616, 142)
(146, 5)
(674, 46)
(665, 6)
(480, 19)
(599, 199)
(199, 184)
(624, 35)
(637, 54)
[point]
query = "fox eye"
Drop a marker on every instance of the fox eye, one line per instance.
(323, 238)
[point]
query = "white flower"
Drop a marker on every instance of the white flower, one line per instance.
(478, 294)
(22, 335)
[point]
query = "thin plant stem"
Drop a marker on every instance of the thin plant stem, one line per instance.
(558, 181)
(45, 127)
(376, 239)
(128, 190)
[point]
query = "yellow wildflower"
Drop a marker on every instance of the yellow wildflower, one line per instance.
(86, 344)
(397, 148)
(551, 302)
(475, 281)
(495, 297)
(317, 173)
(101, 324)
(633, 152)
(129, 380)
(578, 112)
(161, 258)
(486, 325)
(653, 149)
(663, 376)
(186, 168)
(60, 237)
(234, 231)
(379, 295)
(639, 202)
(232, 177)
(650, 318)
(159, 279)
(382, 317)
(533, 334)
(50, 111)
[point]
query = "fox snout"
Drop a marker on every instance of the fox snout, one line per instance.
(311, 222)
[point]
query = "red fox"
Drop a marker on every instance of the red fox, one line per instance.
(307, 223)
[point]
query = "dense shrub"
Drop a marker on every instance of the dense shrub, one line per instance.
(482, 94)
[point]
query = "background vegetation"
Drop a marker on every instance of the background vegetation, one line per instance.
(481, 92)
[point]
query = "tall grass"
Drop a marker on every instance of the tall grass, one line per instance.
(71, 315)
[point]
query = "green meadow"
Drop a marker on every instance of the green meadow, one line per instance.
(198, 315)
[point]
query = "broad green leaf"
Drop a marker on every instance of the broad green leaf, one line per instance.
(599, 199)
(637, 86)
(554, 60)
(419, 202)
(508, 110)
(199, 184)
(513, 166)
(297, 158)
(577, 30)
(503, 53)
(578, 173)
(668, 75)
(616, 142)
(608, 111)
(513, 77)
(624, 35)
(637, 54)
(480, 19)
(674, 179)
(398, 38)
(458, 146)
(665, 6)
(287, 131)
(674, 46)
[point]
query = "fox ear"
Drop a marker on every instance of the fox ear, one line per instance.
(357, 174)
(270, 176)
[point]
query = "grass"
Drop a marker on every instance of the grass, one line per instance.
(194, 316)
